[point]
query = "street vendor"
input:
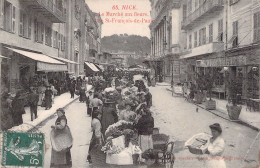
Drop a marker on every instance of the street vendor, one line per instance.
(109, 115)
(61, 157)
(216, 148)
(145, 127)
(97, 135)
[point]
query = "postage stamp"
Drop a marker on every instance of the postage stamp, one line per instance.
(22, 149)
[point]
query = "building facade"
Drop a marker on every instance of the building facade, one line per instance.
(93, 35)
(195, 37)
(44, 38)
(165, 39)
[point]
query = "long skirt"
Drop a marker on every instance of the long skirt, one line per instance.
(107, 118)
(145, 142)
(61, 159)
(41, 97)
(17, 118)
(48, 101)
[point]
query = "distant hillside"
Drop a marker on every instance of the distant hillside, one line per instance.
(127, 43)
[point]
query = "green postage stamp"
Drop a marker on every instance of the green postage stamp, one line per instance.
(22, 149)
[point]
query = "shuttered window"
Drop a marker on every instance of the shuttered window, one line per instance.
(220, 30)
(211, 33)
(257, 27)
(235, 34)
(13, 19)
(21, 24)
(195, 39)
(7, 16)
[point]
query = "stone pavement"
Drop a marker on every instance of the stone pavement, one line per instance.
(247, 117)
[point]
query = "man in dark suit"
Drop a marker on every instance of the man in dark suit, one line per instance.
(33, 102)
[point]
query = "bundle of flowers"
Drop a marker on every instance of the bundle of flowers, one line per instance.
(118, 128)
(111, 149)
(111, 94)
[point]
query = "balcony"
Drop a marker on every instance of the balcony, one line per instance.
(208, 7)
(203, 49)
(48, 9)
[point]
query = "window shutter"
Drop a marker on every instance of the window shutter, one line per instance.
(64, 42)
(2, 14)
(13, 19)
(29, 27)
(35, 30)
(21, 24)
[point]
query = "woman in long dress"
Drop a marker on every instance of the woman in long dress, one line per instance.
(97, 135)
(109, 116)
(216, 148)
(145, 127)
(61, 158)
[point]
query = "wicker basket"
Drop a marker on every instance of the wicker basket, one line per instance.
(160, 141)
(194, 150)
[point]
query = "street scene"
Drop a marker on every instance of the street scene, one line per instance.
(131, 84)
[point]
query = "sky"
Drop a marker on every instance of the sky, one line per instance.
(138, 25)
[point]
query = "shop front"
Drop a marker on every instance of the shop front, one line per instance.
(242, 66)
(21, 70)
(27, 65)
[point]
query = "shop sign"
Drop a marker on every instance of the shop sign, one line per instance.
(217, 62)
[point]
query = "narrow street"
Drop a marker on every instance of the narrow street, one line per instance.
(174, 117)
(179, 119)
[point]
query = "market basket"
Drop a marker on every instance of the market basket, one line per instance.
(198, 143)
(160, 141)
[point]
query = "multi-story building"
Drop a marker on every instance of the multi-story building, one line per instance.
(197, 36)
(242, 56)
(165, 39)
(32, 32)
(223, 34)
(126, 56)
(204, 26)
(93, 35)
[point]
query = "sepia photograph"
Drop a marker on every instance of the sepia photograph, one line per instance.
(130, 83)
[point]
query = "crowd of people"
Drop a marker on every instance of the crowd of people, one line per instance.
(120, 99)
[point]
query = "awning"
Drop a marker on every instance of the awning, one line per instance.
(37, 56)
(44, 62)
(100, 67)
(41, 66)
(64, 60)
(91, 66)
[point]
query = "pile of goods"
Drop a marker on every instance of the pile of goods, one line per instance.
(198, 144)
(119, 147)
(110, 95)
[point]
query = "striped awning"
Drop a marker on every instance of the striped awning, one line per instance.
(44, 62)
(91, 66)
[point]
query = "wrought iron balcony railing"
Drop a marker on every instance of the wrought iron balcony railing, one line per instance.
(206, 8)
(48, 9)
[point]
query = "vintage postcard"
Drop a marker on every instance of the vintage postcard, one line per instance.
(130, 83)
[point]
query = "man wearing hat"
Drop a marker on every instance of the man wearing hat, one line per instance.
(33, 102)
(18, 108)
(88, 99)
(48, 97)
(216, 148)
